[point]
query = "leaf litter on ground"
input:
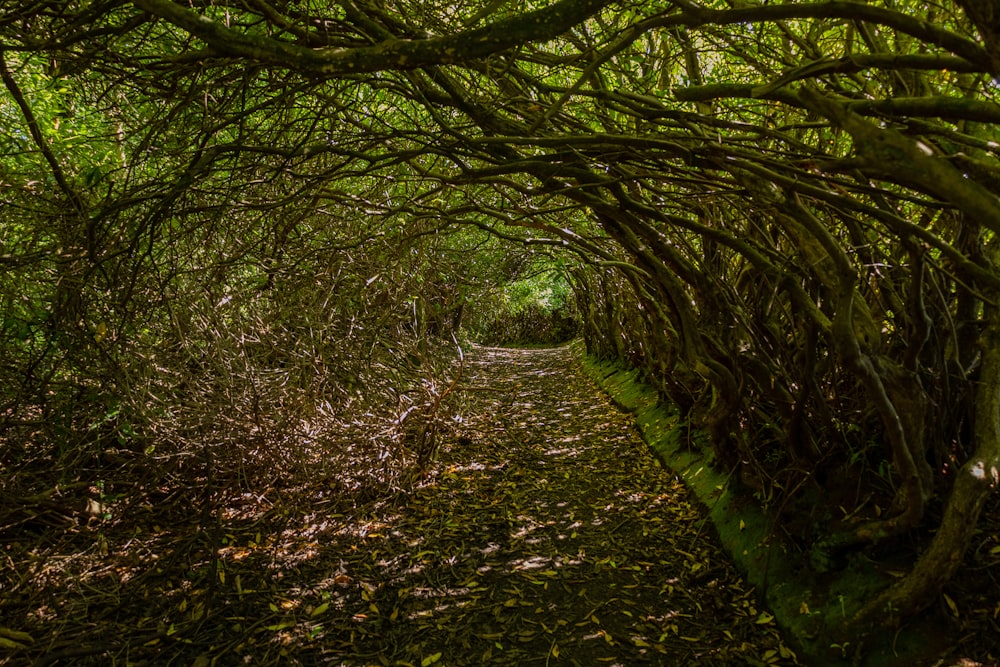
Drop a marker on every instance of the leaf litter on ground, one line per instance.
(550, 535)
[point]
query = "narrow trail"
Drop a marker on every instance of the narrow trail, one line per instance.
(554, 537)
(545, 534)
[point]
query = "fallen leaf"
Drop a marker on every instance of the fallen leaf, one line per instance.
(16, 635)
(284, 625)
(951, 604)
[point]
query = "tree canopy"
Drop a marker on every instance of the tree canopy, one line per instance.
(227, 218)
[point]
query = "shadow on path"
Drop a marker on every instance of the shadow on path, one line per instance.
(554, 537)
(549, 536)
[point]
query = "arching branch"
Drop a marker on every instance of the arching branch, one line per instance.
(391, 54)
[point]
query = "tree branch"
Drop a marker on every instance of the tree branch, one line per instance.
(391, 54)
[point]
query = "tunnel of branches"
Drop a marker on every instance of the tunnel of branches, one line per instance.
(229, 227)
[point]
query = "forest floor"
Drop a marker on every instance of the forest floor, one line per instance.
(544, 534)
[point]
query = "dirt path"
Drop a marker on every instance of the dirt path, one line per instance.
(545, 535)
(554, 537)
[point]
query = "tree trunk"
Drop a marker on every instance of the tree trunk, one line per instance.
(986, 16)
(973, 484)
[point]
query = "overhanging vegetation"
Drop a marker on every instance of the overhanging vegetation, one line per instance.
(227, 227)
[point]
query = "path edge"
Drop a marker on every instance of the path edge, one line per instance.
(770, 564)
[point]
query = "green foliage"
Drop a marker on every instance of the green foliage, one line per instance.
(536, 310)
